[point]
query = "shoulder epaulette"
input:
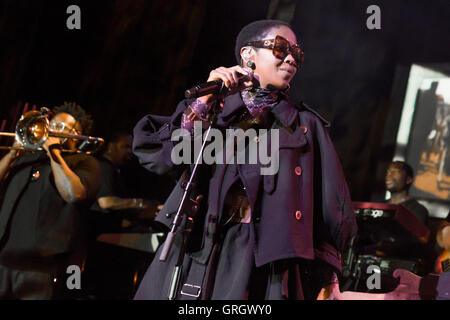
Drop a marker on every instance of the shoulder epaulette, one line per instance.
(304, 106)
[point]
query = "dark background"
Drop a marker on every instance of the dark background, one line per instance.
(134, 57)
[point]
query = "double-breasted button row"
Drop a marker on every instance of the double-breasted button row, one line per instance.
(298, 213)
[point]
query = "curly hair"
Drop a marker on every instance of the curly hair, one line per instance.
(76, 111)
(254, 31)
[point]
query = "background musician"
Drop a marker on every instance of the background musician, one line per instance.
(42, 213)
(399, 177)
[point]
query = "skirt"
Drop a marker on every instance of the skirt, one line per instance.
(231, 274)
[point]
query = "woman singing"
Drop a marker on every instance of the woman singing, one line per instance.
(254, 236)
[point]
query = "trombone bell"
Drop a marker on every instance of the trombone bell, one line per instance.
(32, 130)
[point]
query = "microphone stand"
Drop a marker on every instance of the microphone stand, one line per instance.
(188, 208)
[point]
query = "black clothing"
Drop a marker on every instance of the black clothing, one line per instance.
(110, 185)
(38, 229)
(302, 213)
(419, 210)
(103, 220)
(26, 285)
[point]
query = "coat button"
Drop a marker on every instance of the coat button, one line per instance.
(36, 175)
(298, 171)
(305, 129)
(298, 215)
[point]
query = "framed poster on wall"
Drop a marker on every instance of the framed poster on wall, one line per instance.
(423, 137)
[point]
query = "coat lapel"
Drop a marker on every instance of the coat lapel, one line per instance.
(291, 135)
(231, 108)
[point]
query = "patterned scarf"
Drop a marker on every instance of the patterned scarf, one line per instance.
(259, 99)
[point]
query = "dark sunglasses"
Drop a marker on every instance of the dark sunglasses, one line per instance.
(280, 48)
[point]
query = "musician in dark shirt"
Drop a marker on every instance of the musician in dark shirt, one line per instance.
(112, 209)
(399, 178)
(42, 213)
(116, 210)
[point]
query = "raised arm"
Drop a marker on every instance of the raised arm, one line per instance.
(69, 185)
(116, 203)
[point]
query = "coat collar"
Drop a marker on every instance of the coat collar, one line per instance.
(232, 104)
(285, 111)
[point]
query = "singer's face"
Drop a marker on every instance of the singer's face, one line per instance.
(271, 71)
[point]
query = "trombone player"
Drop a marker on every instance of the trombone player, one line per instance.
(45, 194)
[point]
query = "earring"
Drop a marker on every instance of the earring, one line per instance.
(247, 53)
(251, 65)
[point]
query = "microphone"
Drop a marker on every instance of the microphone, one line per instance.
(203, 89)
(211, 87)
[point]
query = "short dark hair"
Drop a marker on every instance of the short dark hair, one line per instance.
(76, 111)
(254, 31)
(406, 168)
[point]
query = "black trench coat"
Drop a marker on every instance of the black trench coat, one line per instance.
(304, 210)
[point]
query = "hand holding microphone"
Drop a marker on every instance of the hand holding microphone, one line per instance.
(234, 79)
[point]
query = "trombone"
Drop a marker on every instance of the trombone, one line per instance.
(33, 129)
